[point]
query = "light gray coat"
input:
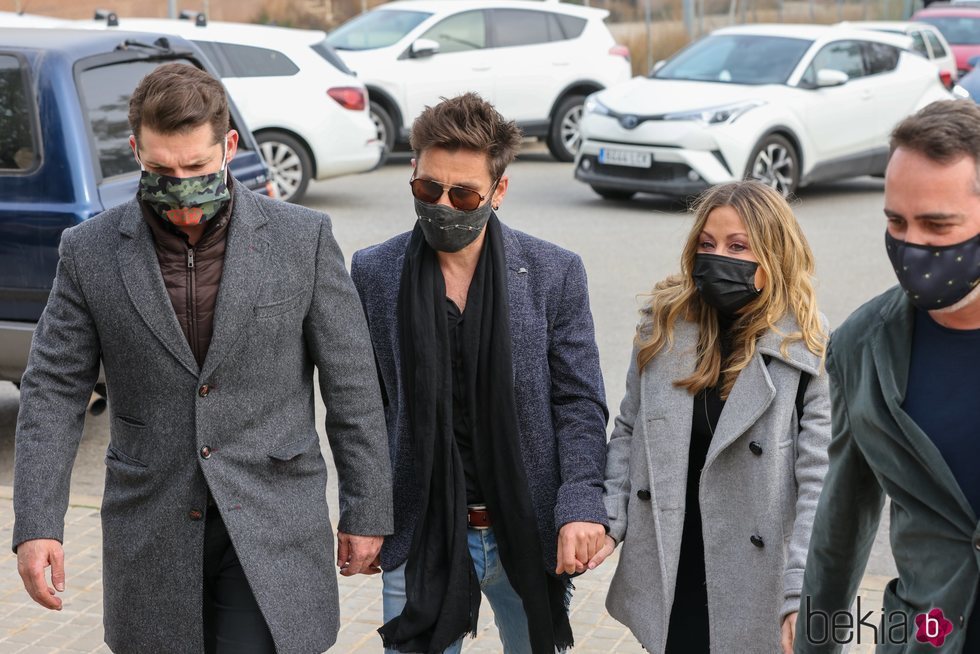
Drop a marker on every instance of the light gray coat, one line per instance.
(285, 305)
(772, 494)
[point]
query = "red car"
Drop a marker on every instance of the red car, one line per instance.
(960, 24)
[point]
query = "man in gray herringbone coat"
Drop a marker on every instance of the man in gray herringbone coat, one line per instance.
(208, 307)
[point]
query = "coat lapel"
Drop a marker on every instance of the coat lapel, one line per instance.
(517, 288)
(892, 352)
(751, 395)
(140, 270)
(241, 279)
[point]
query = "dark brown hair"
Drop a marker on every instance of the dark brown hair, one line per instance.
(943, 131)
(468, 122)
(177, 98)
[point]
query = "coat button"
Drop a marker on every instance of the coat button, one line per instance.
(757, 540)
(204, 390)
(643, 494)
(976, 543)
(205, 452)
(755, 448)
(195, 515)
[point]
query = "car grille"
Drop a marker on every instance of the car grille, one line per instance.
(659, 171)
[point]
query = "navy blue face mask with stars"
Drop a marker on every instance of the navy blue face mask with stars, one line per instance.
(935, 277)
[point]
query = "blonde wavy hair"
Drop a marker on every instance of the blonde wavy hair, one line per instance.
(777, 241)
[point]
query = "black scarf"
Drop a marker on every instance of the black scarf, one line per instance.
(443, 592)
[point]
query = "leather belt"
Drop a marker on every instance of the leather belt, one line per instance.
(477, 517)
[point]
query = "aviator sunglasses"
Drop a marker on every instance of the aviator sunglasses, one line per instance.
(462, 198)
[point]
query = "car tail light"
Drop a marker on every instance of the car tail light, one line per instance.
(620, 51)
(349, 97)
(946, 78)
(270, 189)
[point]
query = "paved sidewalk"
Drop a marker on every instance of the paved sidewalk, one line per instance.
(28, 629)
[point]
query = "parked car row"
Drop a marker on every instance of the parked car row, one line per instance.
(788, 105)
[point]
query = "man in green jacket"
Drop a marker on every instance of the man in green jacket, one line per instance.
(905, 387)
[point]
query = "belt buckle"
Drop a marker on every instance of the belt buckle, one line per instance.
(476, 507)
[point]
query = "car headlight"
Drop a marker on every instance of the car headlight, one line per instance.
(961, 92)
(715, 115)
(593, 106)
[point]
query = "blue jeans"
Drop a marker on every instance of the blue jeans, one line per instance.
(508, 610)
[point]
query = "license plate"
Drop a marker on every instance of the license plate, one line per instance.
(631, 158)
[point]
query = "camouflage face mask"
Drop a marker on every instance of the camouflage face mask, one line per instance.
(185, 201)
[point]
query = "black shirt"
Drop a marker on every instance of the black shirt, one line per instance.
(943, 398)
(462, 426)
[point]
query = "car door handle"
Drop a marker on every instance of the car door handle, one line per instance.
(866, 94)
(561, 63)
(481, 69)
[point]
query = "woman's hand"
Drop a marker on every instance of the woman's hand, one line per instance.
(607, 548)
(789, 633)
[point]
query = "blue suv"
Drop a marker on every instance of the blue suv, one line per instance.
(65, 156)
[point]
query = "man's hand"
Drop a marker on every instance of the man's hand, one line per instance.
(358, 554)
(33, 556)
(608, 547)
(578, 542)
(789, 633)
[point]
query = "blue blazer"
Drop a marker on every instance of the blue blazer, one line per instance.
(557, 381)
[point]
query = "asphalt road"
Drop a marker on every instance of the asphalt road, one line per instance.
(626, 246)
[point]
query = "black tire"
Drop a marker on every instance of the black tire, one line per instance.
(386, 128)
(290, 164)
(775, 162)
(564, 137)
(612, 193)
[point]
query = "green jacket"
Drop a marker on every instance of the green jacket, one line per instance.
(876, 449)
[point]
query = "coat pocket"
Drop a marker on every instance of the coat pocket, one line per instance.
(280, 307)
(114, 454)
(131, 422)
(293, 449)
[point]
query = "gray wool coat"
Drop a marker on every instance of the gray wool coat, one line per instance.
(285, 306)
(770, 492)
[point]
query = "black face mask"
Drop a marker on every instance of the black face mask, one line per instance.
(725, 283)
(935, 277)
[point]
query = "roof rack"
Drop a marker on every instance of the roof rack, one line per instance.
(110, 17)
(200, 20)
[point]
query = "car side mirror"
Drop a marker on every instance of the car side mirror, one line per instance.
(973, 61)
(829, 77)
(424, 48)
(657, 66)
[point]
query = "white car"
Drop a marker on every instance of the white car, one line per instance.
(308, 112)
(927, 40)
(535, 61)
(789, 105)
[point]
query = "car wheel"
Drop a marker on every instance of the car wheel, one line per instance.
(774, 162)
(612, 193)
(564, 137)
(289, 164)
(385, 128)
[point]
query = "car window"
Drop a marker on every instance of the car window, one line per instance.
(937, 46)
(958, 30)
(844, 56)
(375, 29)
(323, 49)
(250, 61)
(881, 58)
(919, 44)
(460, 32)
(18, 137)
(519, 27)
(571, 26)
(213, 54)
(737, 59)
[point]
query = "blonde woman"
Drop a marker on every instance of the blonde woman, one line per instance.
(718, 455)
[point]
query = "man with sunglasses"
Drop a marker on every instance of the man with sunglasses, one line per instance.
(494, 401)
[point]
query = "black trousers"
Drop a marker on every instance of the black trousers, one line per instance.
(233, 623)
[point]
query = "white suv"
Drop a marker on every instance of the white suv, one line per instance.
(535, 61)
(308, 112)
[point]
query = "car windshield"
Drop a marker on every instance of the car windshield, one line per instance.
(375, 29)
(958, 30)
(737, 59)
